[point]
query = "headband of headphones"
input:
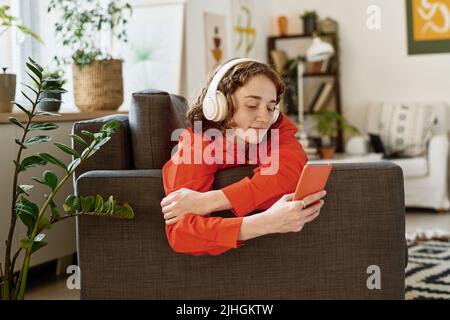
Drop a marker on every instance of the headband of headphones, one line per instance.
(212, 89)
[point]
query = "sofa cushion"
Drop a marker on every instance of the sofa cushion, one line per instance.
(153, 117)
(412, 167)
(405, 129)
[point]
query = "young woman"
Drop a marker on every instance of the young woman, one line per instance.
(242, 96)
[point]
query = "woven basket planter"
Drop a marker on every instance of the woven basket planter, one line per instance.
(98, 86)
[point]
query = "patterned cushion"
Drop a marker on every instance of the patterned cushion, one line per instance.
(405, 129)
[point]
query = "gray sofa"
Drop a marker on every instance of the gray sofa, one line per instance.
(361, 224)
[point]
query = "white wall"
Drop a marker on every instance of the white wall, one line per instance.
(375, 65)
(195, 73)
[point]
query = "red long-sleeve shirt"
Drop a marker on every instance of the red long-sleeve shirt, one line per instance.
(198, 235)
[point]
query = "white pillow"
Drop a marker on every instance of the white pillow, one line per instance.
(405, 129)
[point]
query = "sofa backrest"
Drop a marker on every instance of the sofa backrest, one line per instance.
(153, 116)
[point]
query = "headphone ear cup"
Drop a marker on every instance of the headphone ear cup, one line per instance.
(276, 113)
(209, 108)
(221, 106)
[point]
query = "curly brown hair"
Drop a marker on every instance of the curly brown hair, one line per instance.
(235, 78)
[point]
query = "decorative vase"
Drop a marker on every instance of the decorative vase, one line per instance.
(282, 25)
(309, 24)
(7, 91)
(98, 85)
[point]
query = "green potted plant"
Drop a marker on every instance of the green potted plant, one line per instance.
(309, 22)
(37, 218)
(328, 124)
(54, 77)
(97, 76)
(8, 80)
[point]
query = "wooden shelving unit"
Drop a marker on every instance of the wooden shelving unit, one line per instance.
(332, 38)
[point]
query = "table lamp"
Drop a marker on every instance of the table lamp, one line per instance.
(319, 50)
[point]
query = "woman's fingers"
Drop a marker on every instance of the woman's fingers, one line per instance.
(167, 200)
(173, 220)
(169, 207)
(310, 210)
(170, 215)
(312, 216)
(288, 197)
(314, 197)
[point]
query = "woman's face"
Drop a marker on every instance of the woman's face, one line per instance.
(255, 106)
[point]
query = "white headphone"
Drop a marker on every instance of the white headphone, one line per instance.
(215, 102)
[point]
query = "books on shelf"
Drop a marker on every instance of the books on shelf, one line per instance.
(321, 96)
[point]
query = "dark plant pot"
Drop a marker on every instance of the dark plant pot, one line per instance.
(50, 105)
(309, 25)
(7, 91)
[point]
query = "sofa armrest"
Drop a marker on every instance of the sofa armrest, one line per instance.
(437, 156)
(114, 155)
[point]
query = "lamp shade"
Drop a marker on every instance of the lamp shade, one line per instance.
(319, 50)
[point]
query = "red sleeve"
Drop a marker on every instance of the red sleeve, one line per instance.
(194, 234)
(262, 191)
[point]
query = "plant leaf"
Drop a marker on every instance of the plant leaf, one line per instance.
(28, 206)
(32, 161)
(74, 164)
(44, 224)
(54, 211)
(37, 139)
(30, 87)
(108, 205)
(36, 64)
(37, 245)
(110, 126)
(127, 211)
(79, 140)
(22, 108)
(50, 179)
(72, 204)
(44, 126)
(23, 188)
(88, 134)
(20, 143)
(27, 212)
(35, 70)
(87, 204)
(49, 158)
(98, 203)
(67, 149)
(28, 98)
(16, 122)
(34, 79)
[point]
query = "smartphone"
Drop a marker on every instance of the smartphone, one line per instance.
(313, 179)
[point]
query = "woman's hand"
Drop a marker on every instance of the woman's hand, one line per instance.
(290, 216)
(183, 201)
